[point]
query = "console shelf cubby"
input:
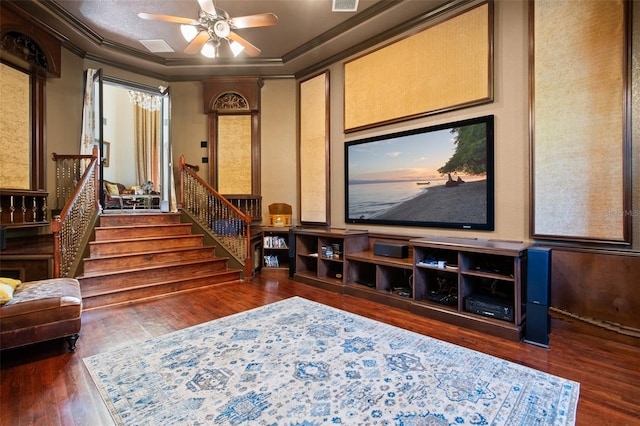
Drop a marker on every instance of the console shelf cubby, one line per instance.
(275, 248)
(474, 283)
(316, 265)
(381, 279)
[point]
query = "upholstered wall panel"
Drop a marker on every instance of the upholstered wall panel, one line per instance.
(234, 154)
(314, 163)
(578, 132)
(15, 143)
(441, 68)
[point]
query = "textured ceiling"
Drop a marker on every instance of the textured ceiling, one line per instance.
(308, 34)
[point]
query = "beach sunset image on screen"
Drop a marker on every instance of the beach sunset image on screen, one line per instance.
(437, 176)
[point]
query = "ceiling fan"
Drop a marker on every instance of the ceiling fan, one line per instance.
(214, 25)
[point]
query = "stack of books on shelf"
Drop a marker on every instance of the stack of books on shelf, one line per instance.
(275, 242)
(271, 262)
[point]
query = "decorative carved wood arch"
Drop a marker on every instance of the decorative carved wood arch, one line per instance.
(233, 106)
(29, 46)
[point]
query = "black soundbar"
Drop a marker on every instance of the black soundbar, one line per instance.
(391, 250)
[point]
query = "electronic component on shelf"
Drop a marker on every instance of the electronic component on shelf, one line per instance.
(400, 291)
(489, 307)
(367, 283)
(399, 251)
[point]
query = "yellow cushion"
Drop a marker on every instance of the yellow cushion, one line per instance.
(112, 189)
(7, 287)
(11, 281)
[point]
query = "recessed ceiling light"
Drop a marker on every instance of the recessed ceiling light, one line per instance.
(157, 46)
(344, 6)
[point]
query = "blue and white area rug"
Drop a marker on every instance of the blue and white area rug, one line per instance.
(297, 362)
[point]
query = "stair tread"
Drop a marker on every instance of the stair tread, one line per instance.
(147, 253)
(124, 240)
(108, 216)
(152, 267)
(146, 225)
(165, 217)
(102, 292)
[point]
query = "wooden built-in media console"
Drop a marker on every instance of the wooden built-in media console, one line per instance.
(474, 283)
(314, 266)
(480, 286)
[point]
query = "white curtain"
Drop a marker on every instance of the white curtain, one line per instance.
(87, 140)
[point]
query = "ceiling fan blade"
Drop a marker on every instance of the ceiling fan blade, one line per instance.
(207, 6)
(259, 20)
(197, 43)
(249, 48)
(168, 18)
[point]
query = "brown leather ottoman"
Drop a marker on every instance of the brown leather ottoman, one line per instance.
(42, 310)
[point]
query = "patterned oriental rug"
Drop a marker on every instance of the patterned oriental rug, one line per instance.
(298, 362)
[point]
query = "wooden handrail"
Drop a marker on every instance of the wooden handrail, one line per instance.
(247, 219)
(56, 157)
(74, 196)
(192, 166)
(59, 222)
(189, 169)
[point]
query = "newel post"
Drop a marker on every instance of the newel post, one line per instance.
(248, 264)
(181, 167)
(56, 227)
(96, 156)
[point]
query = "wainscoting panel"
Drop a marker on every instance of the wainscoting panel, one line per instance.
(597, 285)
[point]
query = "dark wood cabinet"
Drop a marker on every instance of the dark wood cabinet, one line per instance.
(479, 284)
(474, 283)
(275, 248)
(320, 255)
(381, 279)
(29, 258)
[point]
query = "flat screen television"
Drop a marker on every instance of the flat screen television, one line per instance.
(439, 176)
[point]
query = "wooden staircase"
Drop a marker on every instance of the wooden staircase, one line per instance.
(145, 255)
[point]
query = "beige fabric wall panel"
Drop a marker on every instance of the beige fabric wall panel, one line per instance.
(314, 170)
(234, 154)
(15, 129)
(443, 67)
(578, 130)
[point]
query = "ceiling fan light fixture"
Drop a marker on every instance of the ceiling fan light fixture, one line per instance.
(210, 50)
(222, 29)
(189, 32)
(213, 25)
(236, 48)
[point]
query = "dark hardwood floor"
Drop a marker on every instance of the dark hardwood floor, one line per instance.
(45, 385)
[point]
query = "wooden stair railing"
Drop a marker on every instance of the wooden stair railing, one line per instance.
(69, 171)
(75, 221)
(214, 212)
(23, 208)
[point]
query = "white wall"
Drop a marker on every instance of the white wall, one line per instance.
(119, 127)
